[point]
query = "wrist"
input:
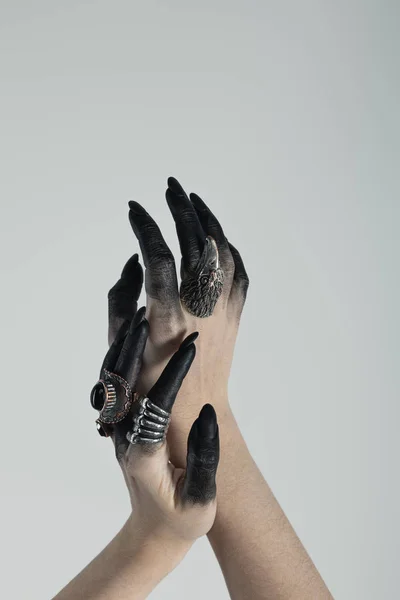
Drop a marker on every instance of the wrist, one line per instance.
(156, 551)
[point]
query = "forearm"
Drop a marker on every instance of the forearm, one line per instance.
(129, 568)
(259, 553)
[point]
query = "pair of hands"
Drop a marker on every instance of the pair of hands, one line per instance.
(172, 486)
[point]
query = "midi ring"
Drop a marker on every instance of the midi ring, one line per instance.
(112, 396)
(150, 424)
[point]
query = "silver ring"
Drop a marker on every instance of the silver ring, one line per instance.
(150, 423)
(202, 287)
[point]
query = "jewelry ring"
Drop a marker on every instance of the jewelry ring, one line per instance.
(150, 423)
(201, 288)
(112, 396)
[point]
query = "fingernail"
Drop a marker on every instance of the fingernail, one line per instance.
(189, 340)
(207, 422)
(137, 319)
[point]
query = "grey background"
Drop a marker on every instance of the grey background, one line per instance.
(284, 116)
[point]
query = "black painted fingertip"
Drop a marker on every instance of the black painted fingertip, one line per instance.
(175, 186)
(198, 202)
(207, 425)
(190, 339)
(132, 262)
(136, 208)
(137, 319)
(131, 266)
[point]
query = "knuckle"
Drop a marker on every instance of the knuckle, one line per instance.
(187, 215)
(206, 458)
(162, 260)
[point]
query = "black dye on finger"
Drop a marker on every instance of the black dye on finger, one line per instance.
(113, 353)
(199, 485)
(130, 358)
(164, 391)
(123, 296)
(189, 340)
(207, 422)
(190, 232)
(208, 221)
(160, 278)
(202, 277)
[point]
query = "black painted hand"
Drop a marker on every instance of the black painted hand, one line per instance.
(166, 500)
(169, 319)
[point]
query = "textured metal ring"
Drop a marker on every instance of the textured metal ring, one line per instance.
(150, 423)
(201, 288)
(112, 396)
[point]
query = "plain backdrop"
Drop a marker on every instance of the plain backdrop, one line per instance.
(284, 116)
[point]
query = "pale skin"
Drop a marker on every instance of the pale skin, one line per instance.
(171, 506)
(258, 551)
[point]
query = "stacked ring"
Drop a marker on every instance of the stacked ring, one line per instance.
(150, 424)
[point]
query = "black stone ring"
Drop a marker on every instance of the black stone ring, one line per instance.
(112, 396)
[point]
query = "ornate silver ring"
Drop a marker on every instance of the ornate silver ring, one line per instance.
(150, 423)
(112, 396)
(201, 288)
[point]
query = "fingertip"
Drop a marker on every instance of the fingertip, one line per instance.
(131, 267)
(136, 208)
(190, 339)
(174, 185)
(208, 411)
(189, 351)
(207, 422)
(198, 202)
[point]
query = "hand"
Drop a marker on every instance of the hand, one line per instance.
(169, 504)
(170, 321)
